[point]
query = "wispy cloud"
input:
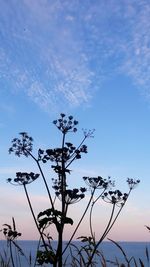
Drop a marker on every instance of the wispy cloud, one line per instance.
(137, 50)
(44, 55)
(58, 53)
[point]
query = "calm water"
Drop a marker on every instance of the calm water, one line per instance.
(110, 251)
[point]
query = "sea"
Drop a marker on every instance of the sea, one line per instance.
(113, 254)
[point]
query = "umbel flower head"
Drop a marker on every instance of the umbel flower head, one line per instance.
(65, 124)
(115, 197)
(22, 145)
(23, 178)
(72, 196)
(10, 232)
(132, 183)
(98, 182)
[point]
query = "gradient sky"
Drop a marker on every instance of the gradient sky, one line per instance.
(89, 59)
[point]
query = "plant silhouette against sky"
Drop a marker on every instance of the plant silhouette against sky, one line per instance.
(61, 159)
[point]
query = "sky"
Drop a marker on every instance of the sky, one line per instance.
(89, 59)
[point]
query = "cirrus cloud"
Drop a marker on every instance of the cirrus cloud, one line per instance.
(58, 53)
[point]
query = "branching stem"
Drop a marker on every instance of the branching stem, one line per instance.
(35, 220)
(92, 194)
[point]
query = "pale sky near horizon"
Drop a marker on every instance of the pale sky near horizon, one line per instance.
(89, 59)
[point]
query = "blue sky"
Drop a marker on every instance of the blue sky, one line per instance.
(86, 58)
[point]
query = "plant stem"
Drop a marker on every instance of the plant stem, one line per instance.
(102, 237)
(46, 185)
(108, 228)
(42, 174)
(31, 209)
(91, 210)
(80, 221)
(63, 190)
(11, 254)
(74, 153)
(118, 212)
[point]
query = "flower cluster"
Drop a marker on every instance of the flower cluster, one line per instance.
(66, 153)
(132, 183)
(71, 195)
(22, 146)
(66, 124)
(88, 133)
(115, 197)
(9, 232)
(54, 155)
(23, 178)
(98, 182)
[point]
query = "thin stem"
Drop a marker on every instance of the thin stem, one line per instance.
(91, 228)
(42, 174)
(63, 189)
(109, 224)
(119, 212)
(91, 211)
(63, 178)
(75, 152)
(46, 185)
(11, 254)
(108, 228)
(80, 221)
(29, 202)
(103, 236)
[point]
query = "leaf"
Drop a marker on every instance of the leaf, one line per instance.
(14, 225)
(147, 254)
(68, 221)
(45, 221)
(124, 254)
(84, 238)
(45, 257)
(147, 227)
(46, 212)
(19, 248)
(8, 225)
(135, 262)
(141, 263)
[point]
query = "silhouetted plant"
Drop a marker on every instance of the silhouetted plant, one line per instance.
(11, 235)
(128, 261)
(61, 159)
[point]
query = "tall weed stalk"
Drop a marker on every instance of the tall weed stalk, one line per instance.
(62, 195)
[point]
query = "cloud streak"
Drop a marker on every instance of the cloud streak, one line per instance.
(58, 53)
